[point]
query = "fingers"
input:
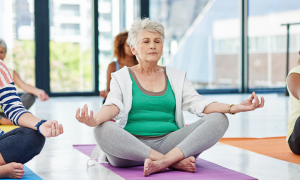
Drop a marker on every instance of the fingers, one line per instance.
(46, 97)
(91, 114)
(61, 129)
(86, 110)
(256, 100)
(52, 130)
(83, 111)
(57, 130)
(251, 97)
(42, 96)
(77, 116)
(84, 116)
(262, 103)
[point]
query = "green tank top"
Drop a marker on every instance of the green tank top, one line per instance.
(151, 115)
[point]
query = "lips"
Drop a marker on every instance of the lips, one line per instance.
(153, 53)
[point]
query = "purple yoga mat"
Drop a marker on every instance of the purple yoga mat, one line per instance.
(205, 170)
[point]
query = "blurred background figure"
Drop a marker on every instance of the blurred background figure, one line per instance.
(124, 58)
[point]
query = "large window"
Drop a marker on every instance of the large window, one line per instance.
(115, 16)
(267, 41)
(17, 29)
(203, 40)
(71, 46)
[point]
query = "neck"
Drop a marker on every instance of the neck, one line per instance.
(146, 67)
(127, 60)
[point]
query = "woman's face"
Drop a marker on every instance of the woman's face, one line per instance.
(127, 50)
(2, 53)
(149, 46)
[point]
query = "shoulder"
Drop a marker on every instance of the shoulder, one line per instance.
(6, 78)
(121, 72)
(112, 67)
(171, 71)
(295, 70)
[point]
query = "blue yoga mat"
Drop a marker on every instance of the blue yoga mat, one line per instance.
(29, 175)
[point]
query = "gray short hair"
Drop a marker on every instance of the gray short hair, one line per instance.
(3, 44)
(140, 25)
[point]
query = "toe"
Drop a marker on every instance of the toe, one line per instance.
(193, 159)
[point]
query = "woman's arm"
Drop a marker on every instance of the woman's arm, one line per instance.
(30, 89)
(110, 69)
(248, 105)
(47, 129)
(293, 83)
(15, 111)
(105, 113)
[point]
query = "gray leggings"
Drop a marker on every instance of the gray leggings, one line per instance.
(27, 99)
(125, 150)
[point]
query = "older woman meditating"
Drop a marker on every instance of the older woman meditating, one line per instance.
(148, 100)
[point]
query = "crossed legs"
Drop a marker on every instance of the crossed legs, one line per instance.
(16, 148)
(177, 150)
(294, 140)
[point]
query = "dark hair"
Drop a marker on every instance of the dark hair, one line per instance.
(119, 42)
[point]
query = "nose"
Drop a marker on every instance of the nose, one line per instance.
(152, 46)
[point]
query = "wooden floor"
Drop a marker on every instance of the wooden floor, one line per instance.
(58, 160)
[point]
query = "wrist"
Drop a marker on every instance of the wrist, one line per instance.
(231, 109)
(39, 124)
(234, 109)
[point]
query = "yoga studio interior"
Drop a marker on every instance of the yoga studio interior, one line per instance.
(150, 89)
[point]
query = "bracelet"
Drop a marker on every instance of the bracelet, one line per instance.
(228, 109)
(38, 125)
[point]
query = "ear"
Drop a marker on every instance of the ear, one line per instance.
(133, 50)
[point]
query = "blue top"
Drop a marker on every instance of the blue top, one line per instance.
(117, 65)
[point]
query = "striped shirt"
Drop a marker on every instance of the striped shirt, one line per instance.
(9, 100)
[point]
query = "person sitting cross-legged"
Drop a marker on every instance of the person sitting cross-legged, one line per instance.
(20, 145)
(148, 99)
(28, 98)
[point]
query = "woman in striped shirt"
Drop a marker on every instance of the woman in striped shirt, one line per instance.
(21, 144)
(27, 98)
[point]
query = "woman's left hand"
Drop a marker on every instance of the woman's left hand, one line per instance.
(42, 95)
(248, 105)
(51, 129)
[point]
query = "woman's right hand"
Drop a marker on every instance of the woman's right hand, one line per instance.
(51, 129)
(85, 118)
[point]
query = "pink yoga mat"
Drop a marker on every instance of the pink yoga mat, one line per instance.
(205, 170)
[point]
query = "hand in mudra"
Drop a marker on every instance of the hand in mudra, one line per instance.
(51, 129)
(85, 118)
(250, 104)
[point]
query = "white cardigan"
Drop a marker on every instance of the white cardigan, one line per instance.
(120, 95)
(186, 96)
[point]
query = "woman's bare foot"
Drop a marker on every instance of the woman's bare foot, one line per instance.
(187, 164)
(5, 121)
(11, 171)
(151, 167)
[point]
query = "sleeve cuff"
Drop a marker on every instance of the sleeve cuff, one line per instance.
(204, 103)
(16, 122)
(119, 104)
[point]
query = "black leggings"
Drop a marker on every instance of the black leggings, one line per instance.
(21, 145)
(294, 140)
